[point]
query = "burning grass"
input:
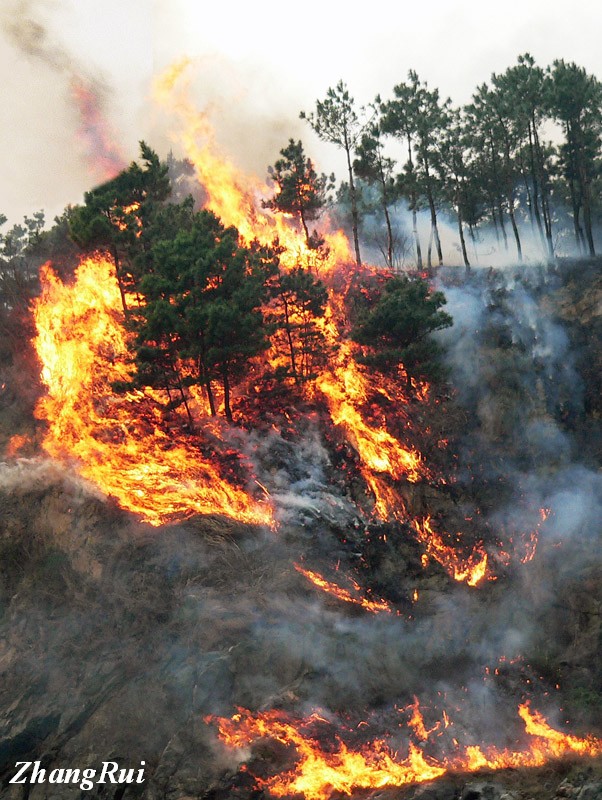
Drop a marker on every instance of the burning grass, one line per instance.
(325, 765)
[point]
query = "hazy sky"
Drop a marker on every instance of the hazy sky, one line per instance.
(258, 65)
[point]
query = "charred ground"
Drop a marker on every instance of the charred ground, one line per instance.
(119, 639)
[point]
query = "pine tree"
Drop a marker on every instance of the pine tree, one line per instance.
(396, 330)
(300, 190)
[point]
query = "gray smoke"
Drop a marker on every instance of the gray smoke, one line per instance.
(87, 94)
(125, 637)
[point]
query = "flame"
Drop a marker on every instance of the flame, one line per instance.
(319, 772)
(345, 389)
(416, 722)
(472, 570)
(117, 441)
(375, 606)
(233, 195)
(106, 160)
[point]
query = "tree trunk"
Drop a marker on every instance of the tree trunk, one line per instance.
(226, 384)
(303, 223)
(584, 180)
(126, 310)
(289, 336)
(535, 182)
(354, 214)
(543, 185)
(185, 401)
(431, 201)
(500, 212)
(413, 200)
(493, 218)
(415, 232)
(519, 249)
(576, 211)
(496, 182)
(387, 221)
(462, 240)
(210, 398)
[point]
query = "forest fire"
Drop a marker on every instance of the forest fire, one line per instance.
(105, 429)
(374, 606)
(325, 764)
(161, 476)
(234, 196)
(220, 351)
(117, 442)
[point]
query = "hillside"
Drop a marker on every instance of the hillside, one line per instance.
(121, 638)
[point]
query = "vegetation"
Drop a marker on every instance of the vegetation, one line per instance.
(336, 121)
(395, 330)
(524, 155)
(301, 192)
(202, 304)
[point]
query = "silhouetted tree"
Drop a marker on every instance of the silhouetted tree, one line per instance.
(377, 170)
(115, 215)
(576, 102)
(336, 120)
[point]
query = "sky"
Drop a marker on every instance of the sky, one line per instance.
(256, 65)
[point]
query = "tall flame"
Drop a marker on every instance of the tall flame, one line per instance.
(234, 196)
(118, 442)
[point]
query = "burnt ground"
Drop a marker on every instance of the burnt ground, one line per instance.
(117, 639)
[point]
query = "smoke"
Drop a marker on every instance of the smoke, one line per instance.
(485, 247)
(88, 94)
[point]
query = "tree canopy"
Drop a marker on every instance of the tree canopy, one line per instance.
(396, 330)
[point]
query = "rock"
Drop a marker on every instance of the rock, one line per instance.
(565, 789)
(481, 791)
(439, 790)
(590, 791)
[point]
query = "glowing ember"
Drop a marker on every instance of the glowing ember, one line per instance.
(117, 441)
(16, 443)
(320, 772)
(343, 594)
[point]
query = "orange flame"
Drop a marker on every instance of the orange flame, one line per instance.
(346, 390)
(416, 722)
(117, 441)
(343, 594)
(472, 570)
(234, 196)
(319, 772)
